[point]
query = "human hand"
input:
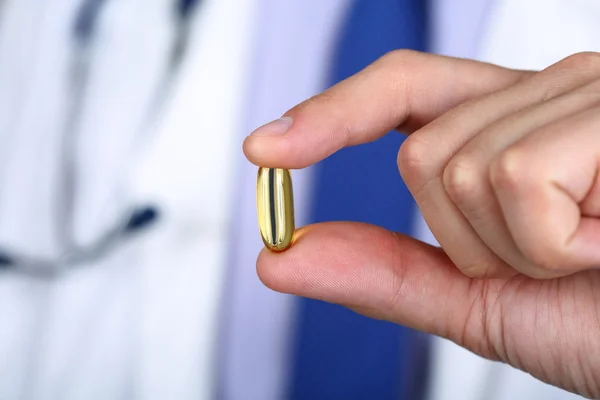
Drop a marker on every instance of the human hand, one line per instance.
(504, 167)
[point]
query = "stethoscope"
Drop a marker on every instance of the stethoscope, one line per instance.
(135, 219)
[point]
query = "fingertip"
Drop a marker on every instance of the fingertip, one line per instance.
(583, 247)
(272, 145)
(276, 269)
(251, 150)
(272, 152)
(261, 151)
(265, 272)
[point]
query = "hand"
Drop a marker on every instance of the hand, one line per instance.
(504, 167)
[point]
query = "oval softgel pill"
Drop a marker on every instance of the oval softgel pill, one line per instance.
(275, 206)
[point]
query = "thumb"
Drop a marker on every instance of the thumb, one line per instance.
(403, 90)
(381, 274)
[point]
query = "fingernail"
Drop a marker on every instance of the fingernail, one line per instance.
(274, 128)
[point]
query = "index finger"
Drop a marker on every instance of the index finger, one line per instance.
(403, 90)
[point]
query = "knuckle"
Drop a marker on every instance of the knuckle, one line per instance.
(398, 57)
(587, 60)
(461, 179)
(395, 67)
(508, 170)
(413, 161)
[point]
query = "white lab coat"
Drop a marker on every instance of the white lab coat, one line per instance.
(141, 322)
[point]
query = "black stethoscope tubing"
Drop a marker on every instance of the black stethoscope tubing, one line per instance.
(84, 33)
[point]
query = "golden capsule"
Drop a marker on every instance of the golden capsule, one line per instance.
(275, 206)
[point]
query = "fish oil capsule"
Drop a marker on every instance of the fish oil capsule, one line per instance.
(275, 206)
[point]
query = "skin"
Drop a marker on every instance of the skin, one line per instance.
(504, 166)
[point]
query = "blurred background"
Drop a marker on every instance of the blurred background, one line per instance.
(128, 232)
